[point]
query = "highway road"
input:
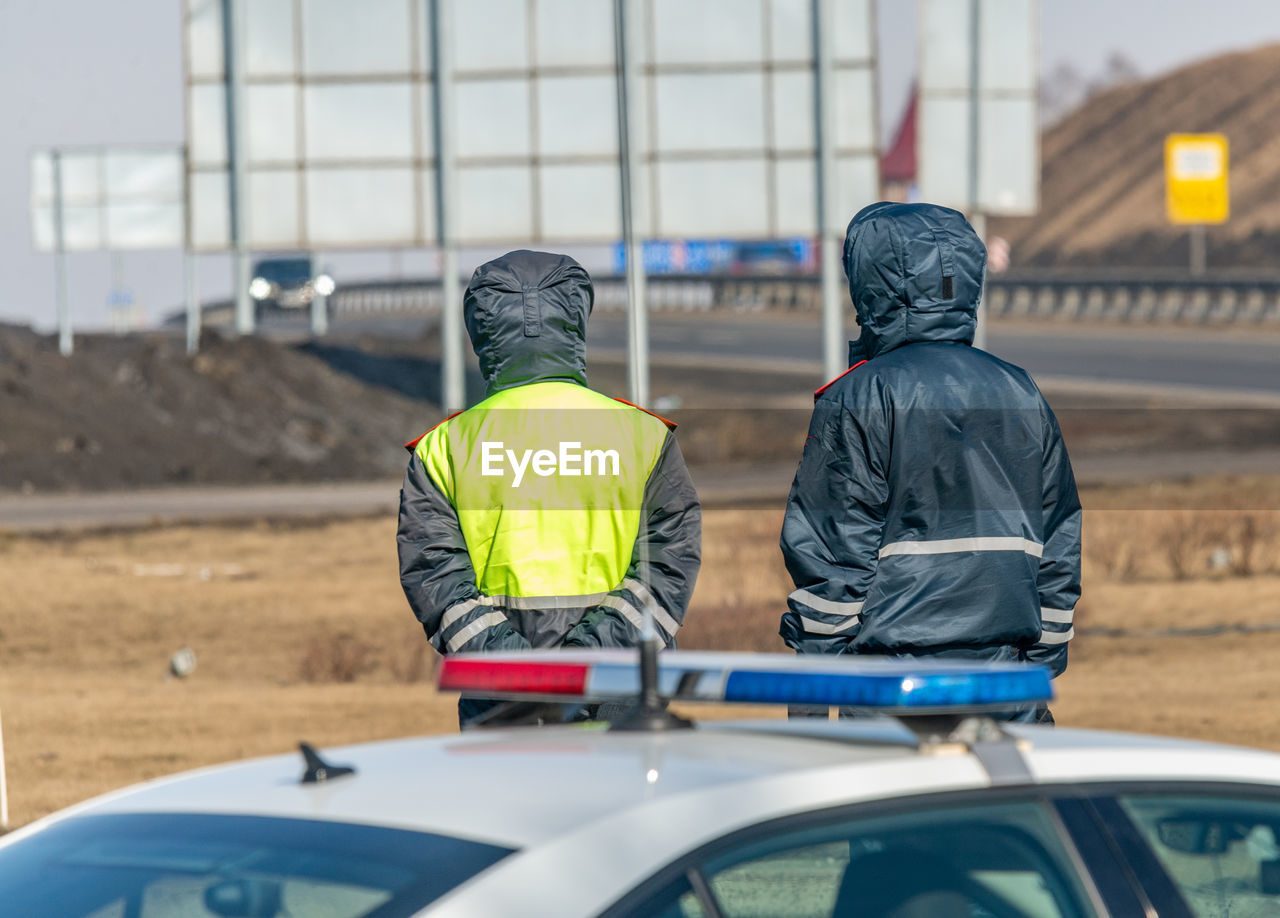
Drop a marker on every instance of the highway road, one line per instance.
(1155, 357)
(1226, 367)
(1231, 360)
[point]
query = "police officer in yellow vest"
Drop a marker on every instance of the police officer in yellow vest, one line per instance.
(549, 514)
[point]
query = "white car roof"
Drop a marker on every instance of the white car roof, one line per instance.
(518, 787)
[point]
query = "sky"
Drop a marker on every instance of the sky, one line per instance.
(80, 72)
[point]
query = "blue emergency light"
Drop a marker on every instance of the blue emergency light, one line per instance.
(902, 686)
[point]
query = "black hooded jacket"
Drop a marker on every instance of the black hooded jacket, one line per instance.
(526, 314)
(934, 511)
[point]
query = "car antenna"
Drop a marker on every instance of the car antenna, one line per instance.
(318, 770)
(651, 714)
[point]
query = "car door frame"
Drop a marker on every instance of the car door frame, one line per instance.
(1110, 886)
(1158, 889)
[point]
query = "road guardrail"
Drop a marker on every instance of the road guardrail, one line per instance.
(1132, 298)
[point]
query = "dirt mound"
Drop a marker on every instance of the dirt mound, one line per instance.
(1102, 170)
(131, 411)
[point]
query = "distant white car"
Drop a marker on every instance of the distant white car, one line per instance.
(818, 818)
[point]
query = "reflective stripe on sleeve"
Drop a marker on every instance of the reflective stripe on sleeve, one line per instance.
(456, 611)
(628, 611)
(647, 599)
(827, 606)
(1057, 637)
(1059, 616)
(490, 620)
(946, 546)
(814, 627)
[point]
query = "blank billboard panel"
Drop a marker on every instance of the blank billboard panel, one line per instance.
(797, 190)
(1010, 27)
(857, 185)
(112, 198)
(490, 35)
(943, 150)
(1005, 177)
(269, 36)
(703, 32)
(492, 118)
(204, 39)
(495, 203)
(793, 111)
(725, 198)
(371, 122)
(377, 42)
(945, 32)
(130, 173)
(709, 111)
(574, 33)
(361, 208)
(272, 113)
(207, 125)
(273, 223)
(340, 119)
(210, 226)
(578, 116)
(579, 201)
(1009, 164)
(145, 226)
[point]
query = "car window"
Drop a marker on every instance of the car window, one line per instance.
(204, 866)
(1222, 852)
(996, 861)
(285, 270)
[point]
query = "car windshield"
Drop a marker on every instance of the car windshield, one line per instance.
(285, 271)
(194, 866)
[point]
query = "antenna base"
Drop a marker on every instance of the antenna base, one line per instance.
(643, 719)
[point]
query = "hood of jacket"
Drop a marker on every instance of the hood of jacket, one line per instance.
(526, 313)
(915, 274)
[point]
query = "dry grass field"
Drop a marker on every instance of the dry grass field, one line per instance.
(301, 632)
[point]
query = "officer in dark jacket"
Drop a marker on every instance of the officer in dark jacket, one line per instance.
(934, 512)
(547, 515)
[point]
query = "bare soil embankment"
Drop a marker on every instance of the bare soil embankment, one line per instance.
(1102, 171)
(137, 411)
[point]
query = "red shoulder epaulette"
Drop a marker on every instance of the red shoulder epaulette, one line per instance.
(818, 393)
(671, 425)
(413, 444)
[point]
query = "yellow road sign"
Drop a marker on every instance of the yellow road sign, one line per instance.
(1195, 169)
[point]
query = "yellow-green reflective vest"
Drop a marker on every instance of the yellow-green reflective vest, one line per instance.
(548, 482)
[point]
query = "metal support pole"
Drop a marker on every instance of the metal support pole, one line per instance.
(65, 342)
(319, 315)
(233, 45)
(979, 222)
(1199, 254)
(452, 369)
(976, 217)
(835, 355)
(319, 309)
(630, 86)
(194, 317)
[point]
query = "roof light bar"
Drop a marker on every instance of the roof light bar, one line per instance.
(476, 675)
(913, 690)
(912, 686)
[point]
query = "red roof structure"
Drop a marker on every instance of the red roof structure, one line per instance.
(898, 164)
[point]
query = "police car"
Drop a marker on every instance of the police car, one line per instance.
(935, 811)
